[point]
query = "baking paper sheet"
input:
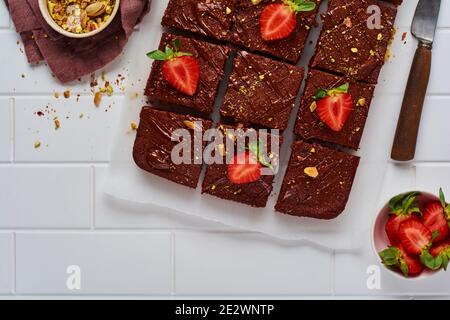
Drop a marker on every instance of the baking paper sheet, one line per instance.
(129, 183)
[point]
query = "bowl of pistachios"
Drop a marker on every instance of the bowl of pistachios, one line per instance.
(79, 18)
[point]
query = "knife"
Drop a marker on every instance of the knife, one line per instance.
(423, 28)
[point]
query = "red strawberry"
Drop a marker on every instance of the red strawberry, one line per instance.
(182, 73)
(437, 257)
(244, 169)
(393, 225)
(434, 219)
(415, 237)
(401, 208)
(180, 69)
(278, 20)
(397, 257)
(334, 106)
(334, 111)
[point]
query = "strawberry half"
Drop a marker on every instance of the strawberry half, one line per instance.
(278, 20)
(434, 219)
(180, 69)
(402, 208)
(334, 106)
(415, 237)
(397, 257)
(244, 168)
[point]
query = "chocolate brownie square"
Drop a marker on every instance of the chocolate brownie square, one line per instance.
(246, 31)
(211, 59)
(309, 126)
(317, 183)
(261, 91)
(217, 180)
(153, 145)
(348, 46)
(211, 18)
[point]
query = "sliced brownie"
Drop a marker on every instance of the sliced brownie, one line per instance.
(261, 91)
(348, 46)
(153, 145)
(210, 18)
(243, 184)
(317, 183)
(246, 31)
(211, 59)
(309, 125)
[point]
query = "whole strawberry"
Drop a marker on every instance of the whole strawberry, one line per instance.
(180, 69)
(278, 20)
(402, 208)
(436, 217)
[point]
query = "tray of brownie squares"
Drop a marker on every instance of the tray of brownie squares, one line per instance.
(262, 115)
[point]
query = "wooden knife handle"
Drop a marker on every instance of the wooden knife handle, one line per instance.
(405, 141)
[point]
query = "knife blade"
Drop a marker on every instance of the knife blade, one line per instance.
(425, 20)
(423, 28)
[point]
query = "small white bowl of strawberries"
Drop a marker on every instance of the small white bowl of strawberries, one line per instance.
(411, 234)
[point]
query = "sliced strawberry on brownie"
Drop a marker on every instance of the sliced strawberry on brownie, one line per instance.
(334, 106)
(278, 20)
(180, 69)
(244, 168)
(399, 258)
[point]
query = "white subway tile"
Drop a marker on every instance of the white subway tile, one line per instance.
(5, 130)
(431, 177)
(85, 132)
(44, 197)
(355, 271)
(6, 264)
(432, 144)
(113, 263)
(113, 213)
(240, 264)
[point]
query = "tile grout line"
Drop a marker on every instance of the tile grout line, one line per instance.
(12, 118)
(172, 262)
(332, 273)
(14, 263)
(92, 197)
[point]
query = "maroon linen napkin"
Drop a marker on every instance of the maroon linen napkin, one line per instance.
(68, 58)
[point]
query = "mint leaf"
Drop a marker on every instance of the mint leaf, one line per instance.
(169, 51)
(320, 94)
(302, 5)
(176, 44)
(157, 55)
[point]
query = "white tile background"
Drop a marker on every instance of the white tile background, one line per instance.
(53, 213)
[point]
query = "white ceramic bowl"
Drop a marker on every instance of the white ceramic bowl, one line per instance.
(380, 240)
(48, 18)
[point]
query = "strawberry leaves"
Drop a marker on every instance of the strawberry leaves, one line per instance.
(445, 205)
(404, 204)
(301, 5)
(255, 148)
(169, 53)
(391, 257)
(322, 93)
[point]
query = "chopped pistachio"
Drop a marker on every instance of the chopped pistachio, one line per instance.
(311, 172)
